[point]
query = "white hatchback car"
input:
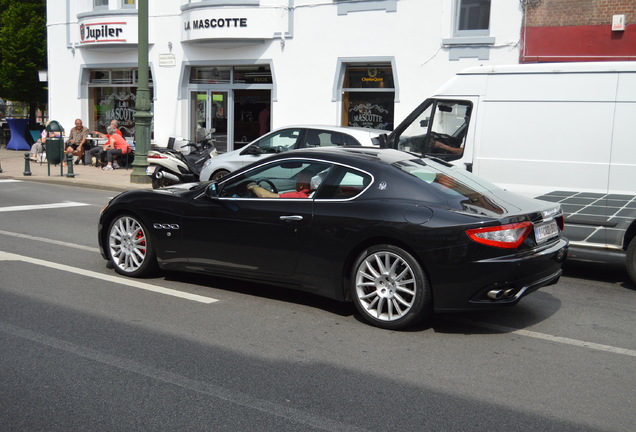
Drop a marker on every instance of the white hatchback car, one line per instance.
(288, 138)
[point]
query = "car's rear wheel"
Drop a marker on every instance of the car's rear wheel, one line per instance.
(390, 289)
(130, 248)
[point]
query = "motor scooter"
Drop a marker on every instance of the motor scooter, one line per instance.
(168, 166)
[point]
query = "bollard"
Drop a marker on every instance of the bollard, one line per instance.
(27, 165)
(69, 163)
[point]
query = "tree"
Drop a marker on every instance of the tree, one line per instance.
(23, 52)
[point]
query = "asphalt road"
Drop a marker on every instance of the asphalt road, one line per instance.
(82, 348)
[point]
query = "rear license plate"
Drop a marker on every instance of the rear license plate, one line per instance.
(546, 231)
(150, 169)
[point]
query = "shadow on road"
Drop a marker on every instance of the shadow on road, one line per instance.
(612, 272)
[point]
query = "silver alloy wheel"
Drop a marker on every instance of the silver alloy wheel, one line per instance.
(128, 244)
(386, 286)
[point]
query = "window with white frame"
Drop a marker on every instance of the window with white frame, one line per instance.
(100, 4)
(472, 18)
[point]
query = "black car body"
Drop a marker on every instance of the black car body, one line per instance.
(398, 235)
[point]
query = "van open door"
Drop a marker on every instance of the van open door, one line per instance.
(437, 128)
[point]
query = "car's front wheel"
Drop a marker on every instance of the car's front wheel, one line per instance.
(389, 288)
(220, 174)
(130, 248)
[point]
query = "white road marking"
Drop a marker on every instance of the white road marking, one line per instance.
(6, 256)
(551, 338)
(45, 240)
(10, 181)
(42, 206)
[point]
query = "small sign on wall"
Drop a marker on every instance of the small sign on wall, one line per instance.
(618, 23)
(167, 60)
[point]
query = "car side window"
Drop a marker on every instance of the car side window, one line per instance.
(279, 177)
(344, 183)
(279, 142)
(325, 138)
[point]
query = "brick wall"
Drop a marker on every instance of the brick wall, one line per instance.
(560, 13)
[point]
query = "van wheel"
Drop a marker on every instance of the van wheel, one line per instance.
(631, 260)
(389, 288)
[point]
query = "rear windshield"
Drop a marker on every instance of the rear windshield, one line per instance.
(458, 187)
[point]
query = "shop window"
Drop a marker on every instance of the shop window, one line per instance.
(472, 18)
(253, 74)
(100, 4)
(112, 96)
(126, 4)
(210, 75)
(368, 96)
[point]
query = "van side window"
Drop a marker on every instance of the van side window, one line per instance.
(440, 130)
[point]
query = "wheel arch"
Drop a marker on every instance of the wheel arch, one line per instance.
(630, 233)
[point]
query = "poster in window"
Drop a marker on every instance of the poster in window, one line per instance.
(371, 110)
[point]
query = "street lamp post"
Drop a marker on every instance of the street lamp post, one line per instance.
(143, 116)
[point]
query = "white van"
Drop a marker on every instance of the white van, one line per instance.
(561, 132)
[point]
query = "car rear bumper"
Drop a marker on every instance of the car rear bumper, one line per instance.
(502, 281)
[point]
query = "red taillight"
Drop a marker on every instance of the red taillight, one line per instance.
(157, 156)
(505, 236)
(560, 223)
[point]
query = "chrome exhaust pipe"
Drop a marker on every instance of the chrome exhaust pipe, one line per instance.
(169, 176)
(510, 293)
(495, 294)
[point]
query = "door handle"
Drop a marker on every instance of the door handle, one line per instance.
(293, 218)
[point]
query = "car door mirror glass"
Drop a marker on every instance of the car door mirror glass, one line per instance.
(212, 190)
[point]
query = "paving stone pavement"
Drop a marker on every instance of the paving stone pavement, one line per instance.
(12, 164)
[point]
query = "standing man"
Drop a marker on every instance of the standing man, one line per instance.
(76, 141)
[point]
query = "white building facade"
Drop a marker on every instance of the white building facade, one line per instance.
(247, 66)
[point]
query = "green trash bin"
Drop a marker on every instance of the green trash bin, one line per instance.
(54, 142)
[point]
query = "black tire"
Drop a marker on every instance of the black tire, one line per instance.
(631, 260)
(219, 174)
(389, 288)
(130, 248)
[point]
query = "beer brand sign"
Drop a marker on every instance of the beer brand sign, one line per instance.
(103, 32)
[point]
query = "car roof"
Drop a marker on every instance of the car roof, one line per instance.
(342, 154)
(354, 131)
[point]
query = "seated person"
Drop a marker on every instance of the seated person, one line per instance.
(117, 146)
(77, 140)
(115, 124)
(303, 189)
(38, 147)
(98, 153)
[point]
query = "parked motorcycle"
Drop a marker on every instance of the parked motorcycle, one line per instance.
(167, 166)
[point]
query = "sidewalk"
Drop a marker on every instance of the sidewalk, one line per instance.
(12, 164)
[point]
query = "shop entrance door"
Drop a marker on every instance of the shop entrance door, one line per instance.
(247, 112)
(210, 110)
(251, 115)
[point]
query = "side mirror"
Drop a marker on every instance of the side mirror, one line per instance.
(212, 190)
(424, 123)
(252, 150)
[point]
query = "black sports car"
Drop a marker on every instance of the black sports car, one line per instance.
(398, 235)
